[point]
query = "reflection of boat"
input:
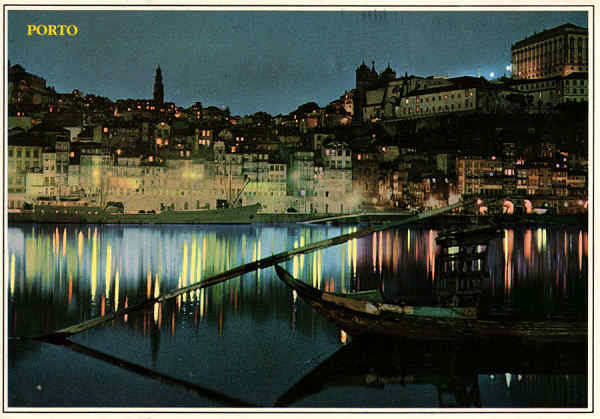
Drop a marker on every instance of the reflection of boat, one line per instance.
(98, 214)
(462, 264)
(366, 313)
(469, 236)
(453, 368)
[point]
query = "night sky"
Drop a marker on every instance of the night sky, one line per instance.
(264, 60)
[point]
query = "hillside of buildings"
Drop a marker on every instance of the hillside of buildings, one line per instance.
(388, 143)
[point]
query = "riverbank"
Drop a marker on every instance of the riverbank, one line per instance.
(439, 221)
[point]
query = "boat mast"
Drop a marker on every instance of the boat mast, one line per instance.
(229, 198)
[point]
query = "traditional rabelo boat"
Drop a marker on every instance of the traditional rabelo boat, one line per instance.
(367, 313)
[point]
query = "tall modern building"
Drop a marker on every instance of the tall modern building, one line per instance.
(159, 93)
(559, 51)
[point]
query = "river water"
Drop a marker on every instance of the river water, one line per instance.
(248, 343)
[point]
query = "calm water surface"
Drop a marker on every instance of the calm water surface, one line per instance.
(246, 342)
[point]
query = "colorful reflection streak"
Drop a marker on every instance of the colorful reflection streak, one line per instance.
(60, 275)
(544, 272)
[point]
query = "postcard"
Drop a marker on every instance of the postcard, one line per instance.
(298, 208)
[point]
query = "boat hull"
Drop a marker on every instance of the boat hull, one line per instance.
(96, 215)
(428, 323)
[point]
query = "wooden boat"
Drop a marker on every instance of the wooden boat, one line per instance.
(367, 313)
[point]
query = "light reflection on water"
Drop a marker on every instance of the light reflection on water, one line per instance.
(63, 274)
(94, 270)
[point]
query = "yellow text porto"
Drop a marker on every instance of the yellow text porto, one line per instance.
(52, 30)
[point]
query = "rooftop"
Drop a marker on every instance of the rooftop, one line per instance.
(550, 33)
(25, 139)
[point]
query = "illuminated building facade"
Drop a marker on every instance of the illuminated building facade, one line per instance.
(337, 155)
(95, 163)
(546, 182)
(559, 51)
(301, 176)
(423, 97)
(24, 155)
(547, 92)
(145, 184)
(265, 182)
(332, 191)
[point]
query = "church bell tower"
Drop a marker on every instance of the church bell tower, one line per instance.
(159, 93)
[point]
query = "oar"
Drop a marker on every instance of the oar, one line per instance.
(243, 269)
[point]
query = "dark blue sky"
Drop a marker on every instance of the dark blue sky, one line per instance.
(263, 60)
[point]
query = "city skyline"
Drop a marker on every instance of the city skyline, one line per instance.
(400, 244)
(290, 57)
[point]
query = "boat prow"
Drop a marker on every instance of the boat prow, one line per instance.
(362, 301)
